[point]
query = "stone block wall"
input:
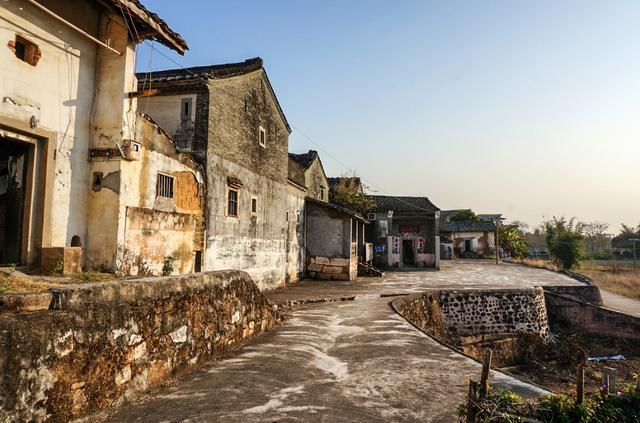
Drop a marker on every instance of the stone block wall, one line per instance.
(495, 312)
(61, 260)
(99, 344)
(332, 268)
(475, 312)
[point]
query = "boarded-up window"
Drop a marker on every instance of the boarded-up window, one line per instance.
(164, 186)
(232, 203)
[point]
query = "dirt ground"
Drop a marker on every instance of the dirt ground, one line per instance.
(17, 281)
(556, 370)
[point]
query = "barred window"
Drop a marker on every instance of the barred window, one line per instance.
(164, 186)
(232, 203)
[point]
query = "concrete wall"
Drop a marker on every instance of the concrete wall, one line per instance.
(566, 311)
(58, 92)
(331, 251)
(481, 242)
(295, 233)
(102, 343)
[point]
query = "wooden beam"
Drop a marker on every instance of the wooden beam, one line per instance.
(144, 93)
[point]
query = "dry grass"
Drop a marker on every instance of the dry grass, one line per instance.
(617, 277)
(35, 283)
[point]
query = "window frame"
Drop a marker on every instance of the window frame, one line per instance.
(188, 102)
(262, 136)
(171, 187)
(254, 201)
(236, 202)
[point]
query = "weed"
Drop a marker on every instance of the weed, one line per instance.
(57, 267)
(167, 269)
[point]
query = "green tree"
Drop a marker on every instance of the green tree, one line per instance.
(564, 241)
(594, 234)
(512, 241)
(464, 216)
(349, 193)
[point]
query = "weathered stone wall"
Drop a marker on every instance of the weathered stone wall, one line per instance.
(295, 233)
(316, 181)
(333, 268)
(99, 344)
(474, 312)
(496, 311)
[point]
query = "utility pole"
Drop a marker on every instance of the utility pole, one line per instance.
(635, 256)
(497, 242)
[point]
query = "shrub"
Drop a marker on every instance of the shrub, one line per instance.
(564, 241)
(167, 269)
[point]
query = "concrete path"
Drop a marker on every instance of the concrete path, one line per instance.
(619, 303)
(458, 274)
(332, 362)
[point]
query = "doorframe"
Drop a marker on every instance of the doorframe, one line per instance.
(43, 151)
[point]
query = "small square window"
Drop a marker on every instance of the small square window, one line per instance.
(262, 134)
(254, 205)
(232, 203)
(164, 186)
(25, 50)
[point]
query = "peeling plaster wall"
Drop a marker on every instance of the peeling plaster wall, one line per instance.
(58, 91)
(255, 243)
(105, 342)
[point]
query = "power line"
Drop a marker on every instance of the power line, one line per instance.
(349, 169)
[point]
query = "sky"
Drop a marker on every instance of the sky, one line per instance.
(526, 108)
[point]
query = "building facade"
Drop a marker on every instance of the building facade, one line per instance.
(404, 232)
(74, 160)
(229, 119)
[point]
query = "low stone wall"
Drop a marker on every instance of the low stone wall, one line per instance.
(495, 312)
(566, 312)
(511, 322)
(99, 344)
(332, 268)
(588, 293)
(476, 312)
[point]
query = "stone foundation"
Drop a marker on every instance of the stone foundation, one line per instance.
(333, 268)
(100, 344)
(61, 260)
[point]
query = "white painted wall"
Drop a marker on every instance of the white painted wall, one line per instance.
(59, 92)
(166, 110)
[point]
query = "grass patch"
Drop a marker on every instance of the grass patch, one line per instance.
(37, 283)
(617, 277)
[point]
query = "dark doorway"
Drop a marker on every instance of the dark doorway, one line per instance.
(13, 186)
(407, 251)
(467, 245)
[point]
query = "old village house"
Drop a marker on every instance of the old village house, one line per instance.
(81, 171)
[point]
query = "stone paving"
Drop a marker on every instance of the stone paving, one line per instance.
(342, 361)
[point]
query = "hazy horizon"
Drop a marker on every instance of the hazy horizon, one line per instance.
(527, 109)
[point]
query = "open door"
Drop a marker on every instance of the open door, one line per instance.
(14, 165)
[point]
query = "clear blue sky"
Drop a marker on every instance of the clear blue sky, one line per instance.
(529, 108)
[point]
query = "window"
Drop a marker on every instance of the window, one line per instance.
(185, 112)
(164, 186)
(372, 216)
(25, 50)
(262, 133)
(322, 193)
(254, 205)
(232, 203)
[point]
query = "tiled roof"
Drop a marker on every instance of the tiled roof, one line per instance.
(405, 204)
(161, 79)
(210, 71)
(305, 159)
(475, 226)
(341, 209)
(142, 18)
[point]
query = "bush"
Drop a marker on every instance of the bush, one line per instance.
(506, 406)
(564, 242)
